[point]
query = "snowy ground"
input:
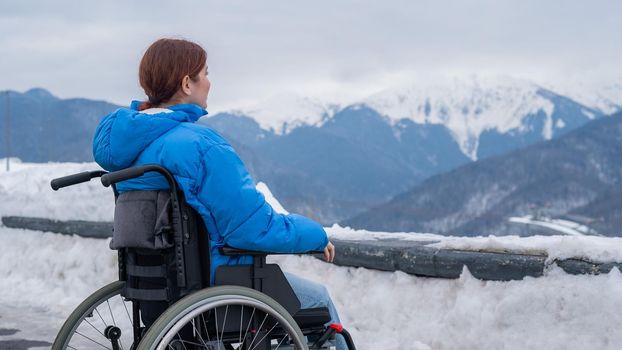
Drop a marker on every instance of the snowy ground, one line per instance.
(44, 275)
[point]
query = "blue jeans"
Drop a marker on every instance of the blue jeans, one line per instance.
(313, 294)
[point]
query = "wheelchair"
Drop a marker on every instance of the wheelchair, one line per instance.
(164, 298)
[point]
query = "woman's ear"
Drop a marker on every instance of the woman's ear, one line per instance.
(185, 86)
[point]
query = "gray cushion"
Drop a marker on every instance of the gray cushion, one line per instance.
(142, 220)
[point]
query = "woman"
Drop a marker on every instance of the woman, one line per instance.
(215, 182)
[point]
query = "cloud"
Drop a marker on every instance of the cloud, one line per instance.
(257, 49)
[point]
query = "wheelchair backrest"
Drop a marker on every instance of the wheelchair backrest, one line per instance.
(163, 248)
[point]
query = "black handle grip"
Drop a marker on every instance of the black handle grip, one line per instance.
(74, 179)
(122, 175)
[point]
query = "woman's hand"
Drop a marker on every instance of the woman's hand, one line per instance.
(329, 252)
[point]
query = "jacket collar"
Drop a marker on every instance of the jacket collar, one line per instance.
(189, 112)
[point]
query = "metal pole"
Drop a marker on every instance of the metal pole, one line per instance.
(7, 131)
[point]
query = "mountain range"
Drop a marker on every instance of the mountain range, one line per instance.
(46, 128)
(578, 175)
(332, 162)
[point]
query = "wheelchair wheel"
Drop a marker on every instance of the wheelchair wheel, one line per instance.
(104, 314)
(226, 318)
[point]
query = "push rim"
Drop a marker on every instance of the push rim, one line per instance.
(227, 301)
(220, 303)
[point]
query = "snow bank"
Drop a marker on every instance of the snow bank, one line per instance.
(596, 249)
(592, 248)
(52, 273)
(26, 191)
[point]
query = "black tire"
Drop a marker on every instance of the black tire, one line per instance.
(184, 312)
(78, 319)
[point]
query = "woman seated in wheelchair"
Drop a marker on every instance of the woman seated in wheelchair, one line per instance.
(213, 179)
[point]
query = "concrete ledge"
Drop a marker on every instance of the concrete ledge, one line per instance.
(417, 258)
(89, 229)
(412, 257)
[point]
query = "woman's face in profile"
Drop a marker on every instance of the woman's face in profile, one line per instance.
(200, 89)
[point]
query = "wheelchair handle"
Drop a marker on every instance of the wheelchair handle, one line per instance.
(75, 179)
(138, 171)
(122, 175)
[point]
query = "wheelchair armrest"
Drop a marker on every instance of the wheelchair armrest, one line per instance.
(231, 251)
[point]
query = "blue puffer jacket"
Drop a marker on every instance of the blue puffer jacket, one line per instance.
(214, 180)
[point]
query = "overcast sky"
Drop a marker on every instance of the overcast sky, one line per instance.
(317, 48)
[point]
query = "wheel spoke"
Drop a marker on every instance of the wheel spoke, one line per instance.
(247, 327)
(127, 311)
(98, 343)
(206, 330)
(262, 338)
(279, 344)
(216, 320)
(241, 318)
(192, 343)
(258, 330)
(224, 322)
(100, 316)
(111, 315)
(95, 328)
(198, 332)
(182, 341)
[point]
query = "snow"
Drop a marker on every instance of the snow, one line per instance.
(592, 248)
(27, 186)
(46, 275)
(276, 205)
(602, 93)
(51, 273)
(284, 112)
(467, 106)
(560, 225)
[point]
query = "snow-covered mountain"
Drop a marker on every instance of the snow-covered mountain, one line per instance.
(474, 109)
(469, 107)
(285, 112)
(606, 97)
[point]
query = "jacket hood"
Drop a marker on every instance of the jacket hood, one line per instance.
(123, 134)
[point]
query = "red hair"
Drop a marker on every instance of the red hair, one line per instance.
(164, 65)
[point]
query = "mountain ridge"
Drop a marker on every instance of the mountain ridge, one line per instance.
(568, 175)
(354, 158)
